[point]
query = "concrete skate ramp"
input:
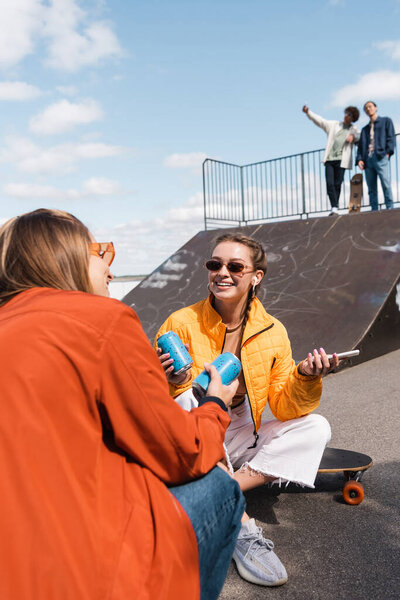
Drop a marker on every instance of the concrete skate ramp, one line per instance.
(332, 281)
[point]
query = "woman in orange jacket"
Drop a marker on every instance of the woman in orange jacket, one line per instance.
(109, 487)
(286, 449)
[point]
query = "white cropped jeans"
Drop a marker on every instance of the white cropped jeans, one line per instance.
(289, 451)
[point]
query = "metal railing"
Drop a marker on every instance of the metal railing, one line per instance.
(287, 187)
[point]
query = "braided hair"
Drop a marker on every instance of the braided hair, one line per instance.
(259, 259)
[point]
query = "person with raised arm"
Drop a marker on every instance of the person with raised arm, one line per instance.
(342, 135)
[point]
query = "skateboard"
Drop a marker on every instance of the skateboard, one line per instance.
(356, 193)
(352, 464)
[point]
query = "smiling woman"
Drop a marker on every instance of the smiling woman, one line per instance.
(104, 500)
(287, 449)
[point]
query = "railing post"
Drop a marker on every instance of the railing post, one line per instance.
(303, 185)
(242, 193)
(204, 195)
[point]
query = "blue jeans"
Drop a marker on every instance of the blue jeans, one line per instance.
(214, 505)
(373, 169)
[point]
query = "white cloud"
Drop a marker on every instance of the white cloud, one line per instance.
(391, 48)
(73, 40)
(63, 158)
(31, 191)
(191, 160)
(18, 90)
(143, 244)
(69, 49)
(379, 85)
(97, 150)
(100, 186)
(89, 189)
(65, 115)
(21, 21)
(67, 90)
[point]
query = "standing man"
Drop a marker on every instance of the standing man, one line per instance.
(376, 146)
(338, 152)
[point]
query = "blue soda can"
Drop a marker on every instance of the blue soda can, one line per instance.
(227, 365)
(171, 343)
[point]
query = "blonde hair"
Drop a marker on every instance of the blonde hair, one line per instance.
(43, 248)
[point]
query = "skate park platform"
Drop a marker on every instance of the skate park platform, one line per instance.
(332, 281)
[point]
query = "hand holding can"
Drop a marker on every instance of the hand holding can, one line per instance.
(227, 365)
(173, 353)
(216, 388)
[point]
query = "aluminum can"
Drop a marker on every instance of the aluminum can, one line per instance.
(171, 343)
(227, 365)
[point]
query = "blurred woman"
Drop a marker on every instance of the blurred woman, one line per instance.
(91, 442)
(287, 449)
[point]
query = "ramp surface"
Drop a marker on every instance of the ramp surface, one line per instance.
(332, 281)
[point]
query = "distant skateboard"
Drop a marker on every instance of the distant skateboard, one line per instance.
(353, 465)
(356, 193)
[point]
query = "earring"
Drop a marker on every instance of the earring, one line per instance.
(254, 285)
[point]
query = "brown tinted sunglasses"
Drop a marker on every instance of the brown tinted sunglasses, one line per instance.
(233, 266)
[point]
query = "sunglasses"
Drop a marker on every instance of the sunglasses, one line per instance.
(104, 250)
(233, 267)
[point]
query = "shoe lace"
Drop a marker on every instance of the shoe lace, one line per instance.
(258, 545)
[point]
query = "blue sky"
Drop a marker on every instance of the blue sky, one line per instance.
(108, 108)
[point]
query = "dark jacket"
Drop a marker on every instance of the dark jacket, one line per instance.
(384, 136)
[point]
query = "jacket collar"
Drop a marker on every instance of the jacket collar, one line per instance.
(212, 320)
(378, 118)
(258, 319)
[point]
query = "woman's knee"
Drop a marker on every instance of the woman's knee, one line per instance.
(216, 492)
(320, 426)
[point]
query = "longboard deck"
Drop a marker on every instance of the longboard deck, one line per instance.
(335, 460)
(356, 192)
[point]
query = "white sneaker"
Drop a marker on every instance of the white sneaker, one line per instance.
(255, 559)
(334, 211)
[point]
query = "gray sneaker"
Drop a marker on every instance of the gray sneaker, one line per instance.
(255, 559)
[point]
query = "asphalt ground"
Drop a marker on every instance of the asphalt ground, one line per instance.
(332, 550)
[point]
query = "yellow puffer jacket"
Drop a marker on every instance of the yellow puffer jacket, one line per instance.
(269, 370)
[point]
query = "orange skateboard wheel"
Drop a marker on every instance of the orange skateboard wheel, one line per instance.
(353, 492)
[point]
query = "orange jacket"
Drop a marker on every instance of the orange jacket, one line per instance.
(269, 370)
(89, 441)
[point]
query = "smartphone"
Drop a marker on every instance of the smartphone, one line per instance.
(347, 354)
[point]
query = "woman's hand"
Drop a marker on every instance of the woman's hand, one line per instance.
(216, 388)
(166, 363)
(305, 109)
(318, 363)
